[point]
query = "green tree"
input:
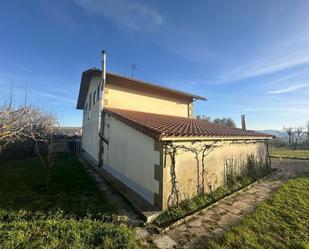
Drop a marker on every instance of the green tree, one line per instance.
(225, 121)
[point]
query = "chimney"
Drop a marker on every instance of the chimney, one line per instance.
(103, 69)
(243, 122)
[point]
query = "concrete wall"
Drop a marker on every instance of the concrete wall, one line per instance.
(189, 171)
(90, 137)
(136, 99)
(131, 157)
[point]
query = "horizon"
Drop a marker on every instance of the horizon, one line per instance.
(246, 58)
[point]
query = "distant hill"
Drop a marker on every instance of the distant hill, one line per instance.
(273, 132)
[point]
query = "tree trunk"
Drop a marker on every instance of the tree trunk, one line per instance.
(48, 177)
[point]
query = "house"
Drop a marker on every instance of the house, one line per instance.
(144, 136)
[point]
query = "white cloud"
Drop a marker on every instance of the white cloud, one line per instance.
(125, 14)
(302, 110)
(52, 96)
(286, 78)
(278, 57)
(289, 88)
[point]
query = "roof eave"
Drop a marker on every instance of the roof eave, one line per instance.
(84, 84)
(88, 74)
(218, 138)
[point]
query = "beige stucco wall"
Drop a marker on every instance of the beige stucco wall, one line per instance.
(130, 156)
(90, 138)
(189, 172)
(145, 101)
(129, 98)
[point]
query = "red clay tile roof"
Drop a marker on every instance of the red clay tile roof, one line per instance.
(158, 126)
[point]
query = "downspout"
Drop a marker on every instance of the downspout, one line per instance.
(101, 106)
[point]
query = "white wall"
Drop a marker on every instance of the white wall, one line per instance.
(90, 137)
(130, 156)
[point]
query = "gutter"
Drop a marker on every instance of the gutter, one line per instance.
(212, 138)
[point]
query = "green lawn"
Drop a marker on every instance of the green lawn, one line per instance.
(289, 153)
(281, 222)
(71, 214)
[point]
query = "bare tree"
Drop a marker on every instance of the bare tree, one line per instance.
(289, 134)
(294, 135)
(42, 128)
(307, 133)
(298, 135)
(12, 124)
(27, 123)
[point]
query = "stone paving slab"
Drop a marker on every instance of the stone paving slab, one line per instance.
(141, 233)
(164, 242)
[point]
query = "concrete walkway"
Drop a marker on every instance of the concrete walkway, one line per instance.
(216, 220)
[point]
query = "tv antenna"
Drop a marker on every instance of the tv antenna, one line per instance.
(133, 67)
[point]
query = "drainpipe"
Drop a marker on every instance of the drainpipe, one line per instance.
(101, 94)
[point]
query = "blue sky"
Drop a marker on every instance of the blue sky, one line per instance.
(246, 57)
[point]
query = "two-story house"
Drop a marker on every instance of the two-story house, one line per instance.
(144, 136)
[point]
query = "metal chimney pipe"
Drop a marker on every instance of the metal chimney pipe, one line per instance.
(101, 106)
(243, 122)
(103, 69)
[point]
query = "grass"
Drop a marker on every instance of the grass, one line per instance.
(190, 206)
(281, 222)
(72, 213)
(289, 153)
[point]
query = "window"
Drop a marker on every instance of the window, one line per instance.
(98, 92)
(86, 108)
(94, 99)
(90, 102)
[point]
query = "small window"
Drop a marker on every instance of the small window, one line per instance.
(98, 92)
(90, 102)
(86, 108)
(94, 99)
